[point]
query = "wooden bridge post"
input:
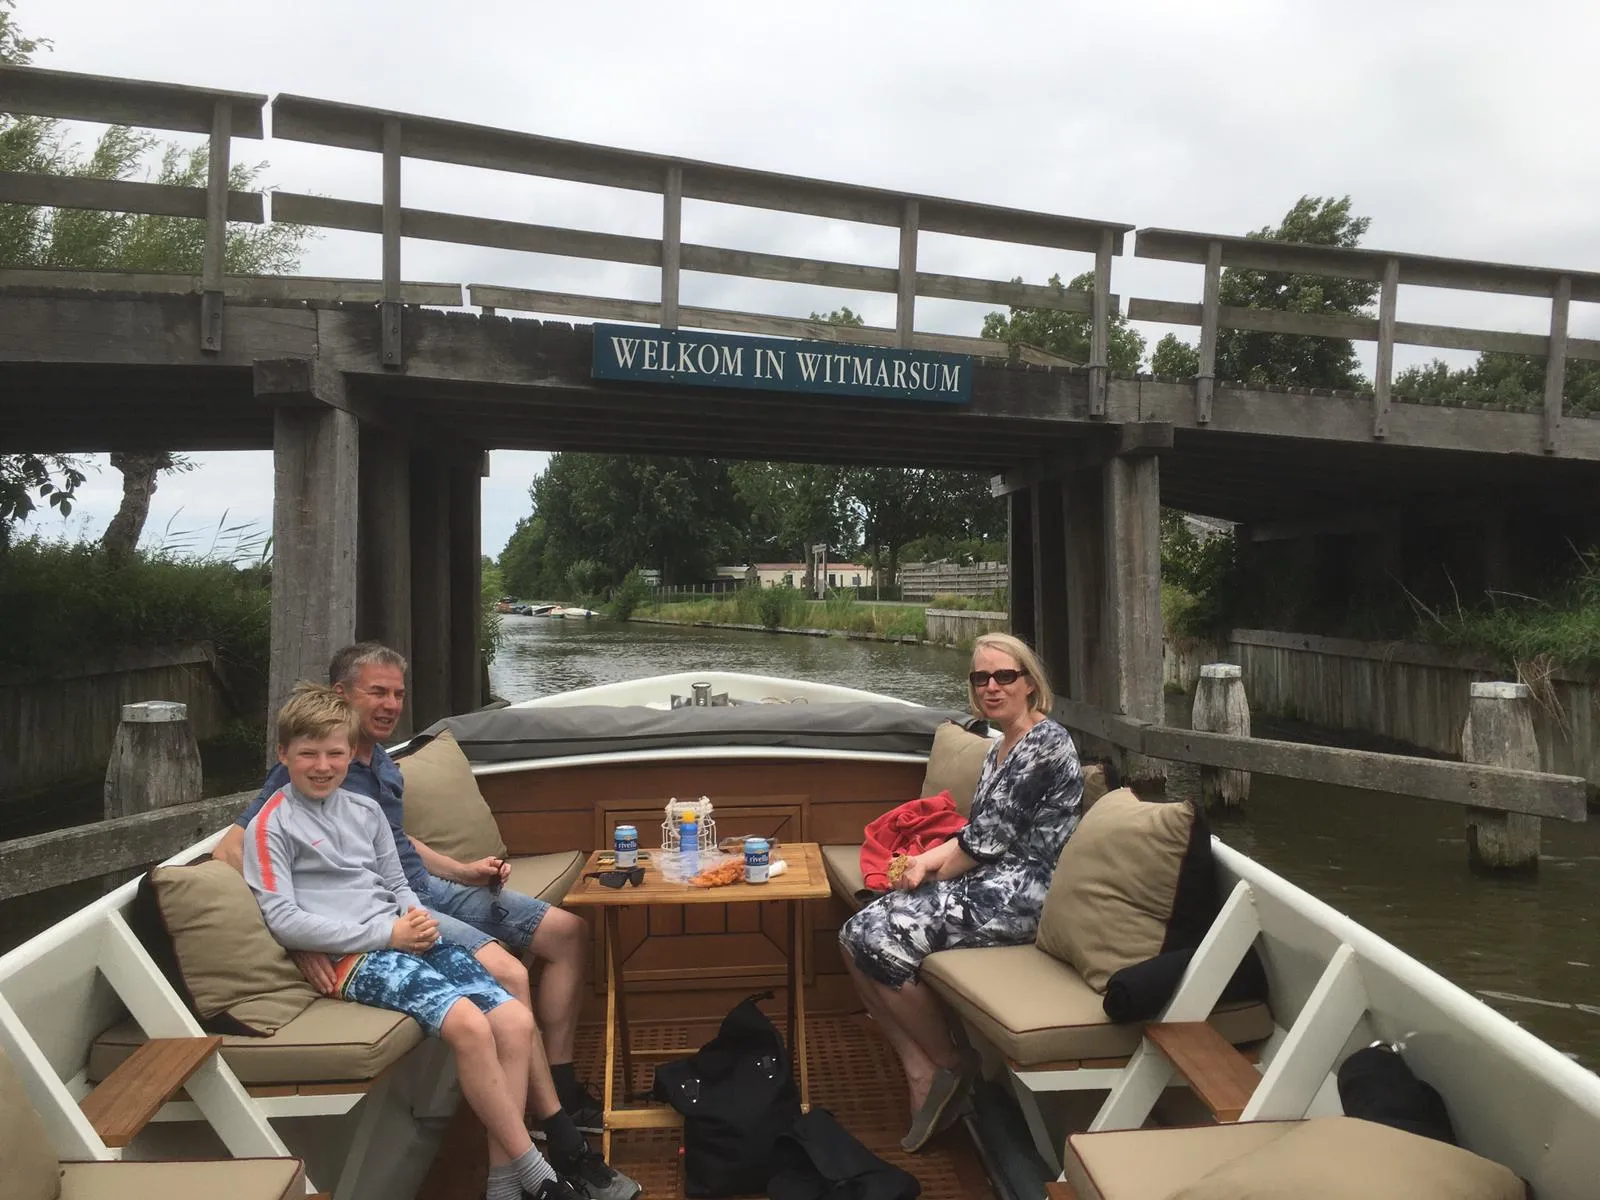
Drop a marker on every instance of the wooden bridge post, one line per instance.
(383, 559)
(1049, 550)
(1499, 732)
(1132, 599)
(1019, 565)
(466, 580)
(1220, 706)
(316, 478)
(155, 760)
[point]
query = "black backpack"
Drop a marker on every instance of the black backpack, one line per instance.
(737, 1095)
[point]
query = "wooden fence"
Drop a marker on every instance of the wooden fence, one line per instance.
(61, 727)
(924, 581)
(1408, 693)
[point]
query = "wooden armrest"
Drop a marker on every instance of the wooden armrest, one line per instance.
(1059, 1189)
(126, 1100)
(1221, 1076)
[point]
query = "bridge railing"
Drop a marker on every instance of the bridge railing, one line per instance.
(400, 136)
(1389, 270)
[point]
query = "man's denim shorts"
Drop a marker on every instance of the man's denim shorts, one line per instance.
(475, 916)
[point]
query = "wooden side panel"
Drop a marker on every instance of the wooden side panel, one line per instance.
(728, 951)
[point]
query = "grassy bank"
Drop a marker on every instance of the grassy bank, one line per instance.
(788, 608)
(1562, 627)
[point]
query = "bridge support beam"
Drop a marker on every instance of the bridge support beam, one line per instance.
(446, 558)
(1107, 612)
(1019, 575)
(383, 560)
(316, 463)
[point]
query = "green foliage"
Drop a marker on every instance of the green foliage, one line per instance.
(75, 604)
(1513, 381)
(52, 478)
(776, 607)
(840, 316)
(789, 506)
(1202, 573)
(1066, 333)
(1175, 358)
(630, 596)
(491, 632)
(1562, 626)
(1281, 359)
(996, 601)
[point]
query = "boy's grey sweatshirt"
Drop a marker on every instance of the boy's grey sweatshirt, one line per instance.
(325, 872)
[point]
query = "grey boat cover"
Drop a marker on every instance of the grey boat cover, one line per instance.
(512, 734)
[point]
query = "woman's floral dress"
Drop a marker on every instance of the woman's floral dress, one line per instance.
(1023, 812)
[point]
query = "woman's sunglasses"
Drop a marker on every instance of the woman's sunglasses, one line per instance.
(1004, 677)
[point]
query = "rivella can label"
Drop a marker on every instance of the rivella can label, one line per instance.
(625, 842)
(757, 859)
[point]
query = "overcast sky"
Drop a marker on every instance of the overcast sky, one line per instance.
(1461, 127)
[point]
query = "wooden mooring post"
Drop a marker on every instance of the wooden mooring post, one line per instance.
(155, 760)
(1220, 706)
(1499, 733)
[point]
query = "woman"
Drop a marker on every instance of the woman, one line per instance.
(984, 887)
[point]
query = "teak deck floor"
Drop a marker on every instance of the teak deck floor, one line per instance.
(853, 1074)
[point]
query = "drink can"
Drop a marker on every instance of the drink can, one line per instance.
(626, 844)
(757, 859)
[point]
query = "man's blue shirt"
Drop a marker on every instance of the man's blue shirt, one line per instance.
(383, 782)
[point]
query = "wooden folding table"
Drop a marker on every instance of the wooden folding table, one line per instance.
(803, 880)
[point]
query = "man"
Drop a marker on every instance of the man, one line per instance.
(371, 678)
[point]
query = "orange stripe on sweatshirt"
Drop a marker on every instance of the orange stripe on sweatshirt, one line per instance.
(263, 859)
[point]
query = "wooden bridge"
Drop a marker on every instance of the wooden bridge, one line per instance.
(380, 396)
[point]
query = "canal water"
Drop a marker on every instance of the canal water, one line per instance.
(1529, 948)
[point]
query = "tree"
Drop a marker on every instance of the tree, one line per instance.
(86, 239)
(1285, 359)
(1514, 381)
(1175, 358)
(1066, 333)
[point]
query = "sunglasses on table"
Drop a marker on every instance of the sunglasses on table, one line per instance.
(616, 878)
(1005, 677)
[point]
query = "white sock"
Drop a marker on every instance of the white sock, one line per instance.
(531, 1169)
(503, 1184)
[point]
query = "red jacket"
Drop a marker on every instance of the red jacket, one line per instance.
(913, 827)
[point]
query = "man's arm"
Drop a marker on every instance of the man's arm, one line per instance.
(474, 874)
(231, 848)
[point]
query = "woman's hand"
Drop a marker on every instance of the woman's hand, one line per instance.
(914, 876)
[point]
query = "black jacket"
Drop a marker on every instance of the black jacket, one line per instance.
(817, 1159)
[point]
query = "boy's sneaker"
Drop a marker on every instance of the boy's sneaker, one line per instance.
(592, 1177)
(554, 1189)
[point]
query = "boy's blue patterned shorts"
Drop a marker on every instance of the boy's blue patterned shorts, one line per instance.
(423, 986)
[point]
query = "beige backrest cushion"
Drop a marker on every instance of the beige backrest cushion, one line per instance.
(1332, 1158)
(443, 806)
(28, 1165)
(1114, 885)
(238, 977)
(954, 764)
(1094, 785)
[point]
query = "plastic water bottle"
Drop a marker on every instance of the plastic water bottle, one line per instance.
(689, 844)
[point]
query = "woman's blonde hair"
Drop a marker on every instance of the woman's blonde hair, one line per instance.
(1042, 697)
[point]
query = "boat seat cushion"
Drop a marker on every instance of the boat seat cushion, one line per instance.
(547, 876)
(954, 764)
(27, 1164)
(843, 867)
(1148, 1164)
(235, 1178)
(1036, 1009)
(202, 927)
(332, 1041)
(1326, 1158)
(443, 806)
(1136, 878)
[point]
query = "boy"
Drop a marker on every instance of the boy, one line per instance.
(323, 868)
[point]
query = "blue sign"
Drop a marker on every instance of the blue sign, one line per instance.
(639, 354)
